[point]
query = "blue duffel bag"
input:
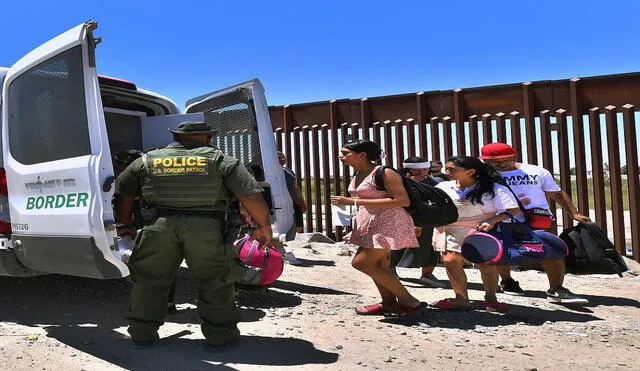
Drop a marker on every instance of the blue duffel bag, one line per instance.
(512, 244)
(554, 247)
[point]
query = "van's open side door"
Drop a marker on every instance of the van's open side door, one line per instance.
(241, 116)
(57, 158)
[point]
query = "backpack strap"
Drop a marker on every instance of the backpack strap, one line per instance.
(520, 205)
(574, 235)
(377, 177)
(512, 218)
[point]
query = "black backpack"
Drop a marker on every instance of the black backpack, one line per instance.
(429, 206)
(591, 252)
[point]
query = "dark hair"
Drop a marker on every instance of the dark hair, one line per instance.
(372, 150)
(416, 159)
(486, 177)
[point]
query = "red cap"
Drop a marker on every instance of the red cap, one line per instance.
(495, 151)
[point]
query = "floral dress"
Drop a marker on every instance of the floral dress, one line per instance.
(378, 227)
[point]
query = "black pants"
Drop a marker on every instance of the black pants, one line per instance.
(422, 256)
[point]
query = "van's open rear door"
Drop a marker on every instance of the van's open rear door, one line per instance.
(57, 159)
(241, 116)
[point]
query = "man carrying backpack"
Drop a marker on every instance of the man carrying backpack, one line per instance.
(424, 257)
(532, 185)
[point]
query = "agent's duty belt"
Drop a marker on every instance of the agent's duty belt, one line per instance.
(216, 214)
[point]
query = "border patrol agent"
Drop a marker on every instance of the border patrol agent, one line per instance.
(188, 186)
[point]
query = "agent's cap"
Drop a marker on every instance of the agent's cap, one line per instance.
(194, 128)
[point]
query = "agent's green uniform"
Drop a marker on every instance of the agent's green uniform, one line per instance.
(192, 187)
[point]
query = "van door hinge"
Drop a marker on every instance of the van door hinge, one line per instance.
(92, 42)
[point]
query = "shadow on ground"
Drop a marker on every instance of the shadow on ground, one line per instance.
(177, 353)
(314, 262)
(267, 299)
(307, 289)
(416, 283)
(470, 319)
(85, 313)
(596, 300)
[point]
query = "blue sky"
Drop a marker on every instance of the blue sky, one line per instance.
(319, 50)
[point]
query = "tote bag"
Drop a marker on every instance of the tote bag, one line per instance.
(512, 244)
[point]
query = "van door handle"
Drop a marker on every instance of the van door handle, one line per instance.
(108, 183)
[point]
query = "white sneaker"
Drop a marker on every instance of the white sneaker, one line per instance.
(432, 281)
(289, 257)
(562, 295)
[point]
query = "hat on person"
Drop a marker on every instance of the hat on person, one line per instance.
(194, 128)
(495, 151)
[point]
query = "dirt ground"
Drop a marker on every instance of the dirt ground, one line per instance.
(306, 320)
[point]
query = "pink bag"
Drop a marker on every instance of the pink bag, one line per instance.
(260, 267)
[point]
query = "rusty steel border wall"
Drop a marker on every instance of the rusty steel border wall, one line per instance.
(596, 114)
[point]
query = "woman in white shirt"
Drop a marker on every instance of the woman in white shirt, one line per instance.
(480, 203)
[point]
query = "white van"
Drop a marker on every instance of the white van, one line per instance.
(62, 125)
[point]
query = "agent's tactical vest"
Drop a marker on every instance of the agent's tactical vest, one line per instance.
(184, 178)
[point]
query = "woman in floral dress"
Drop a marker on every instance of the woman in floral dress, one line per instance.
(380, 224)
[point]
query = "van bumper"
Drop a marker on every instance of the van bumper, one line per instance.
(73, 256)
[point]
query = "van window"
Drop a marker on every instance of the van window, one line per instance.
(47, 111)
(233, 115)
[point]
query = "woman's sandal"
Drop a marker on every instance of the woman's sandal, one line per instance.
(371, 310)
(493, 306)
(450, 304)
(405, 310)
